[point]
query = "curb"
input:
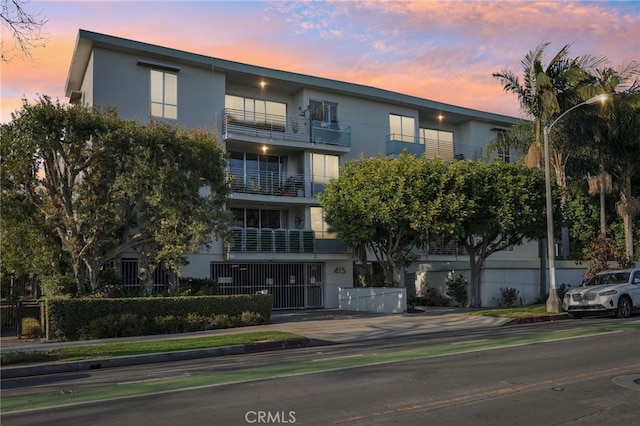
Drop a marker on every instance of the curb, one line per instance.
(95, 364)
(540, 318)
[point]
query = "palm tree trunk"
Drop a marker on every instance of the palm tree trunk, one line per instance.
(601, 187)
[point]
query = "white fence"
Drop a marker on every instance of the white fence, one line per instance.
(373, 299)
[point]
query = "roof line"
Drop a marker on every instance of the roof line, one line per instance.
(86, 39)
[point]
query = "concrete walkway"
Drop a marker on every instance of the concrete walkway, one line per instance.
(326, 326)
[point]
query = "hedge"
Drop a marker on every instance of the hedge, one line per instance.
(65, 318)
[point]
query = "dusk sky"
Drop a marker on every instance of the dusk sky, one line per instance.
(440, 50)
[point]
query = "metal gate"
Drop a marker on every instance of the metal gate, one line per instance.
(292, 285)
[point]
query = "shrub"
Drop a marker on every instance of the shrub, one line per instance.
(375, 280)
(31, 327)
(64, 316)
(431, 297)
(224, 321)
(251, 318)
(508, 296)
(601, 252)
(457, 288)
(168, 324)
(123, 325)
(198, 286)
(58, 285)
(194, 322)
(562, 290)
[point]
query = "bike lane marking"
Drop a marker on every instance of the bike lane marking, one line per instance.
(48, 399)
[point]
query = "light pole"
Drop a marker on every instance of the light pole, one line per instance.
(553, 303)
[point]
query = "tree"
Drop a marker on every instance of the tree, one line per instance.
(27, 246)
(385, 207)
(544, 93)
(625, 147)
(25, 29)
(107, 186)
(516, 139)
(500, 205)
(610, 134)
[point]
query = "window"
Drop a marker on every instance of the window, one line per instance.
(256, 111)
(319, 225)
(256, 172)
(164, 94)
(323, 168)
(402, 128)
(438, 143)
(327, 112)
(504, 155)
(257, 218)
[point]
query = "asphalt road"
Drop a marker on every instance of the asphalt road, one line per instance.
(574, 372)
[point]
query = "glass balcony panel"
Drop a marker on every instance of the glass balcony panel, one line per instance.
(238, 122)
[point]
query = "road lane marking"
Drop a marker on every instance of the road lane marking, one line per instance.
(184, 383)
(338, 357)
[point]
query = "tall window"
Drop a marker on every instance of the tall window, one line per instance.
(319, 225)
(326, 112)
(438, 143)
(164, 94)
(323, 168)
(256, 172)
(402, 128)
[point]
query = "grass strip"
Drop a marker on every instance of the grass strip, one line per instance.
(108, 350)
(44, 398)
(530, 311)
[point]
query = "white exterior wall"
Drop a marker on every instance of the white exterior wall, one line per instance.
(112, 76)
(87, 83)
(335, 278)
(389, 300)
(523, 275)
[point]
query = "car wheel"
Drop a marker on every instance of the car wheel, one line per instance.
(624, 307)
(576, 316)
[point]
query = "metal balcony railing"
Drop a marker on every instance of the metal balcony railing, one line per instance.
(274, 183)
(278, 127)
(260, 240)
(397, 143)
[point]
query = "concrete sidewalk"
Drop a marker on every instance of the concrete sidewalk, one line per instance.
(318, 327)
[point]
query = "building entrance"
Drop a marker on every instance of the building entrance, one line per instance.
(292, 285)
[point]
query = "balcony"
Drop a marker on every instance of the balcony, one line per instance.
(397, 143)
(272, 184)
(258, 240)
(250, 126)
(447, 151)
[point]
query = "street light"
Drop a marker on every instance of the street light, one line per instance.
(553, 303)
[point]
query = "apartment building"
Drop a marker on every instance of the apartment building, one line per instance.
(286, 134)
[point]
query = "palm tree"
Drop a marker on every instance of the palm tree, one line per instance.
(543, 93)
(625, 146)
(614, 129)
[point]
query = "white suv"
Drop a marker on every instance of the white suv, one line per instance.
(612, 292)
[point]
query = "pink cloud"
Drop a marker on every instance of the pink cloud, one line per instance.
(445, 51)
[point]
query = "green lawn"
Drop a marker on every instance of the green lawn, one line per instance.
(108, 350)
(529, 311)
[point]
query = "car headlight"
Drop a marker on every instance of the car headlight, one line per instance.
(607, 293)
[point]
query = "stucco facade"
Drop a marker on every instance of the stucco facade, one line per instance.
(287, 134)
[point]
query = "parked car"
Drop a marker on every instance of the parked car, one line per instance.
(612, 292)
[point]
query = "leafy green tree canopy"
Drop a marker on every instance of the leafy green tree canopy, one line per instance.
(106, 186)
(385, 207)
(501, 205)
